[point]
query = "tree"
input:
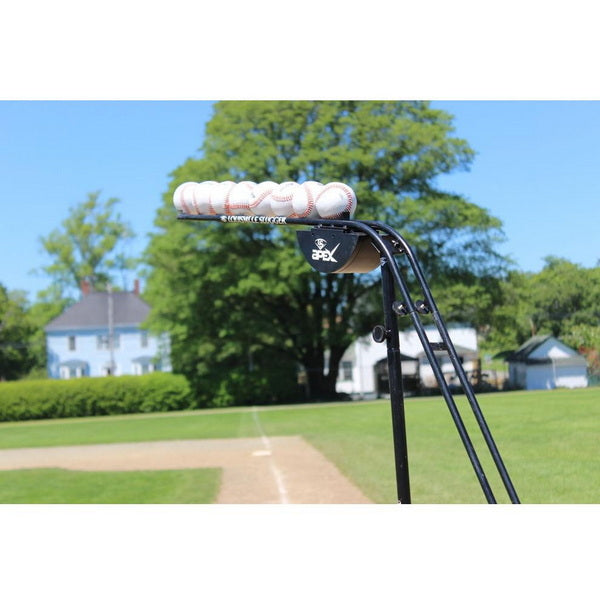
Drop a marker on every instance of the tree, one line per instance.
(88, 246)
(509, 322)
(564, 294)
(563, 299)
(235, 292)
(16, 356)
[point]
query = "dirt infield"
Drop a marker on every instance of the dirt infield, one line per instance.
(255, 470)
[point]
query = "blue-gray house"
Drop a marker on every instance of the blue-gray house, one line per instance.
(102, 335)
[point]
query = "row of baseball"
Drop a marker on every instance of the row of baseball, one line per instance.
(310, 199)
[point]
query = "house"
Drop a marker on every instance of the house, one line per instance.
(102, 335)
(543, 363)
(467, 355)
(363, 368)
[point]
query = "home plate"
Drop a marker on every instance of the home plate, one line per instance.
(261, 453)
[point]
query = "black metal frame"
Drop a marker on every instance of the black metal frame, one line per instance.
(389, 243)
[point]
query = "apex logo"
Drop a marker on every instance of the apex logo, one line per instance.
(320, 253)
(337, 250)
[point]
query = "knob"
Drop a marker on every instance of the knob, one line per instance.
(422, 307)
(399, 308)
(380, 333)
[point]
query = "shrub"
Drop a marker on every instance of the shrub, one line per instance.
(89, 396)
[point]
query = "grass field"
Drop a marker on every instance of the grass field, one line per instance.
(550, 443)
(51, 486)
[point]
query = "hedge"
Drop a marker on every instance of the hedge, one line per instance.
(90, 396)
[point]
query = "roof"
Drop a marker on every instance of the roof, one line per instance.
(403, 358)
(523, 353)
(143, 359)
(92, 312)
(525, 349)
(74, 364)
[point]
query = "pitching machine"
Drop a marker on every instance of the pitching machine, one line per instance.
(341, 245)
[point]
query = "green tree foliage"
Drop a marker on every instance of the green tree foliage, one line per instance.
(22, 336)
(563, 299)
(470, 300)
(563, 295)
(16, 356)
(240, 302)
(510, 322)
(88, 246)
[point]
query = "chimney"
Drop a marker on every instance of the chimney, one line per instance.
(136, 287)
(85, 287)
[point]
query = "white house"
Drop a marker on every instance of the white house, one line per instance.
(363, 369)
(78, 341)
(543, 363)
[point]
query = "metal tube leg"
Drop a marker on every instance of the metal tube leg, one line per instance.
(483, 426)
(395, 383)
(455, 362)
(456, 417)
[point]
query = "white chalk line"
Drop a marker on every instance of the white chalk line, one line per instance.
(281, 489)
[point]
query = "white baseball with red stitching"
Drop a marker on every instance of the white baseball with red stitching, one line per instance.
(183, 197)
(238, 201)
(304, 199)
(201, 199)
(281, 199)
(260, 204)
(219, 196)
(335, 199)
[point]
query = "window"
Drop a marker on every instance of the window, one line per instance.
(144, 339)
(346, 370)
(71, 342)
(102, 342)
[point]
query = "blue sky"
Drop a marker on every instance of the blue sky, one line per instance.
(536, 169)
(54, 153)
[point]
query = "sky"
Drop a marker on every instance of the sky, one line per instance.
(53, 154)
(536, 168)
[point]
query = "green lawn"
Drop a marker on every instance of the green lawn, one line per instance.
(60, 486)
(550, 441)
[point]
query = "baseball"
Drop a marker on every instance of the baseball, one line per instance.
(238, 201)
(260, 203)
(304, 199)
(183, 197)
(219, 196)
(335, 199)
(201, 197)
(281, 198)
